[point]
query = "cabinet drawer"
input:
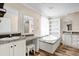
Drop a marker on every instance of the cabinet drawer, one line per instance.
(75, 39)
(74, 45)
(75, 36)
(78, 45)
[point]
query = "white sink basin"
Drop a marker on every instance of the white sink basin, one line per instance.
(8, 39)
(5, 39)
(14, 38)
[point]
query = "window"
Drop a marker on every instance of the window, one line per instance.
(44, 26)
(54, 26)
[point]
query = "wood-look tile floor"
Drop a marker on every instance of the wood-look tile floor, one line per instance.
(66, 51)
(61, 51)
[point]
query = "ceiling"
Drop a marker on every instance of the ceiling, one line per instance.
(54, 9)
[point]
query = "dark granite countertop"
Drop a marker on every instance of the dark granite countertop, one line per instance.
(21, 38)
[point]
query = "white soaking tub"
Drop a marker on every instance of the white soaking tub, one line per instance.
(49, 43)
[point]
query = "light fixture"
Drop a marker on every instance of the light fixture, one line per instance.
(2, 10)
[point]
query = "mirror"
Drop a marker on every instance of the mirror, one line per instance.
(28, 24)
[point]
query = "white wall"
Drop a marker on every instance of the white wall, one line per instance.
(12, 13)
(28, 12)
(72, 18)
(44, 26)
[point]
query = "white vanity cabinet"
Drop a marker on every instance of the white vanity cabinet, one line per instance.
(5, 49)
(19, 48)
(75, 40)
(16, 48)
(67, 39)
(71, 40)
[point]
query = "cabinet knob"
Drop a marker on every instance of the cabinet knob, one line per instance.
(11, 46)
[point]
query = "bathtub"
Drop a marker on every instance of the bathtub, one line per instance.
(49, 43)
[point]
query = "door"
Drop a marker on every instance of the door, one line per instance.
(20, 48)
(5, 49)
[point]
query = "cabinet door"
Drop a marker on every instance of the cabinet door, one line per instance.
(67, 39)
(5, 49)
(11, 49)
(19, 48)
(69, 42)
(75, 39)
(78, 44)
(63, 38)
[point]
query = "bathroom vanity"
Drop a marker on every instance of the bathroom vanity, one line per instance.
(15, 45)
